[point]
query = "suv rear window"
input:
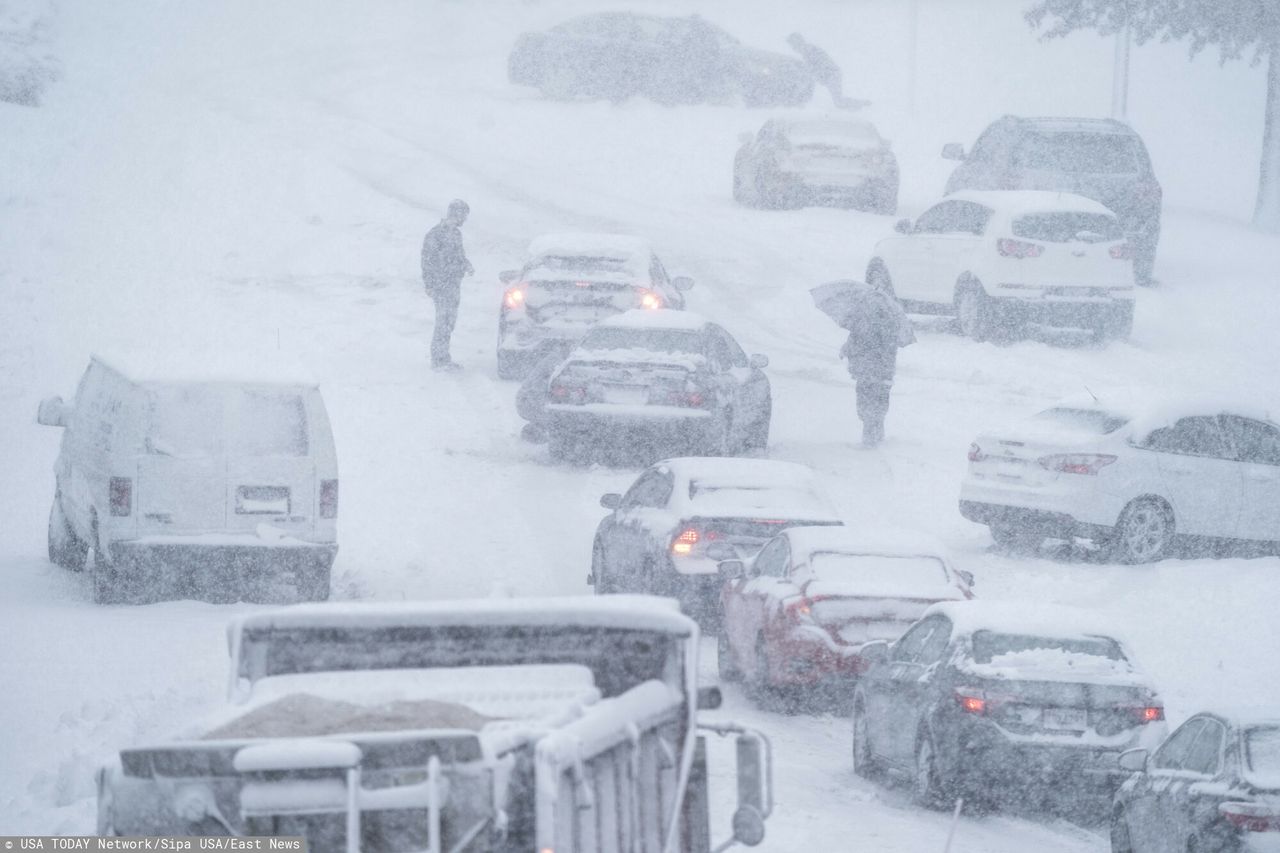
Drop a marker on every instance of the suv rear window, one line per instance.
(1066, 227)
(1099, 153)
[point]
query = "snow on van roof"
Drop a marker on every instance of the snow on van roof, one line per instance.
(195, 365)
(638, 612)
(583, 244)
(661, 318)
(852, 540)
(1016, 202)
(1028, 618)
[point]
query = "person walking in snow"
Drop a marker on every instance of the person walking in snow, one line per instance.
(824, 71)
(444, 263)
(877, 327)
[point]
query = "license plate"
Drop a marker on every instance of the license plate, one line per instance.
(626, 395)
(1065, 719)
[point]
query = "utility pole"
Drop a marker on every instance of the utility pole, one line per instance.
(1120, 73)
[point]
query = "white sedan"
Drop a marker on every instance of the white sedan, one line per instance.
(1000, 259)
(1131, 477)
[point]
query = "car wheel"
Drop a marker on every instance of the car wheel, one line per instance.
(757, 437)
(559, 83)
(65, 548)
(106, 583)
(863, 764)
(927, 787)
(974, 312)
(511, 365)
(724, 657)
(1120, 842)
(604, 583)
(1144, 533)
(1011, 538)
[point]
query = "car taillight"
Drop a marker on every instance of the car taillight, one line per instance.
(121, 494)
(1251, 817)
(1122, 252)
(975, 453)
(566, 392)
(1149, 714)
(649, 299)
(514, 297)
(800, 611)
(970, 701)
(1018, 248)
(1076, 463)
(328, 498)
(683, 544)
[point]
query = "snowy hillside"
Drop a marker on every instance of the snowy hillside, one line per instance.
(246, 177)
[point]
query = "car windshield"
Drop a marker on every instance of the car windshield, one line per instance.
(210, 421)
(1097, 153)
(1263, 749)
(685, 341)
(991, 647)
(579, 265)
(880, 570)
(1092, 421)
(1067, 226)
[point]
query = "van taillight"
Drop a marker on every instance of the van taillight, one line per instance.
(328, 498)
(121, 491)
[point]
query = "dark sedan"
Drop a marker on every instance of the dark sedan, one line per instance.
(616, 55)
(1212, 787)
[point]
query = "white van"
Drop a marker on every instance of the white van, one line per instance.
(211, 484)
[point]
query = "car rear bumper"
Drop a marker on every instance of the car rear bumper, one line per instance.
(199, 566)
(1071, 307)
(1052, 524)
(805, 658)
(599, 423)
(984, 756)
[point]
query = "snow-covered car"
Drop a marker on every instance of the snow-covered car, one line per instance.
(652, 381)
(486, 726)
(798, 614)
(1101, 159)
(569, 283)
(672, 60)
(1130, 475)
(1213, 785)
(981, 696)
(680, 517)
(1000, 259)
(193, 479)
(834, 162)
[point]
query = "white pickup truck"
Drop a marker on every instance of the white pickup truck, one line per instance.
(564, 725)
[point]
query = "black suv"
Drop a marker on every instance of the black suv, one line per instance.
(1101, 159)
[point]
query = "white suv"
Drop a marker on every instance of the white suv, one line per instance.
(999, 259)
(1130, 477)
(222, 487)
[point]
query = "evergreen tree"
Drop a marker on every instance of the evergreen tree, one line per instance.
(1241, 29)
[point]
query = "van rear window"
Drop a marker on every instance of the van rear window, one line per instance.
(203, 421)
(269, 424)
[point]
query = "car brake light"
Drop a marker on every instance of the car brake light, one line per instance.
(975, 453)
(971, 703)
(1018, 248)
(328, 498)
(565, 392)
(1251, 817)
(649, 299)
(1149, 714)
(683, 544)
(800, 611)
(1122, 252)
(514, 297)
(1076, 463)
(121, 495)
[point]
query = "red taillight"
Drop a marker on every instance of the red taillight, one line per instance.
(975, 453)
(649, 299)
(1018, 248)
(1251, 817)
(800, 611)
(121, 493)
(567, 393)
(1076, 463)
(971, 704)
(328, 498)
(514, 297)
(1149, 714)
(683, 544)
(1122, 252)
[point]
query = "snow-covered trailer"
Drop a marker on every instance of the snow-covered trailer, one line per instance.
(496, 725)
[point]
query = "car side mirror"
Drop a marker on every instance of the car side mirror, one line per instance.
(953, 151)
(1133, 760)
(731, 570)
(53, 412)
(745, 138)
(508, 276)
(875, 651)
(759, 361)
(611, 500)
(902, 226)
(682, 283)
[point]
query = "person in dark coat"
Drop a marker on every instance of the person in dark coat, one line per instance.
(825, 71)
(444, 263)
(877, 327)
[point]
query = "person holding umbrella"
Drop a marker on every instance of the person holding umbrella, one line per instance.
(877, 327)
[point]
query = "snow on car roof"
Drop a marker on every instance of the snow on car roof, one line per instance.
(1152, 410)
(638, 612)
(150, 366)
(1068, 124)
(661, 318)
(1028, 618)
(749, 488)
(851, 540)
(1015, 202)
(832, 127)
(574, 244)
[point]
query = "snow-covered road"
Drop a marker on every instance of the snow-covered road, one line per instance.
(242, 175)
